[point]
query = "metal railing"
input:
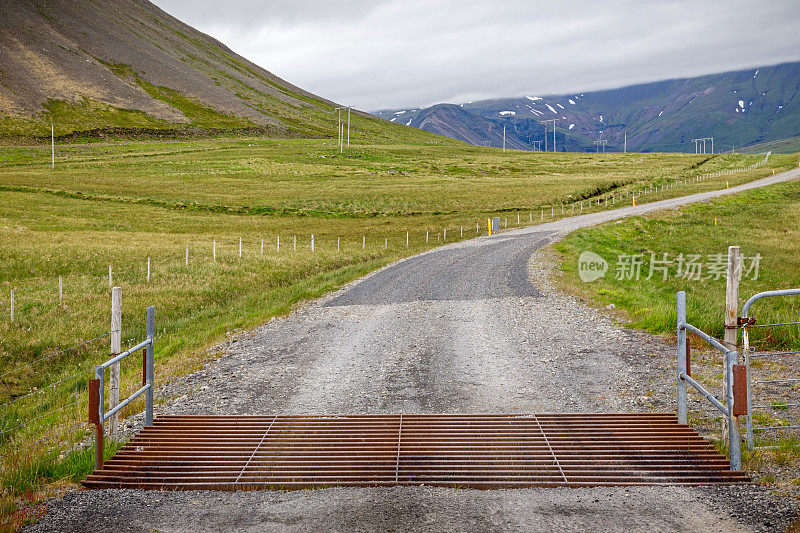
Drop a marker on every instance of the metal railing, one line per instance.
(97, 413)
(726, 407)
(747, 322)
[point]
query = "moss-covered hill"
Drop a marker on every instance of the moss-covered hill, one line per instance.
(100, 65)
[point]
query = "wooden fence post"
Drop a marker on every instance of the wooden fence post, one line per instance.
(116, 348)
(731, 318)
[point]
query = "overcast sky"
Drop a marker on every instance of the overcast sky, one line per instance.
(408, 53)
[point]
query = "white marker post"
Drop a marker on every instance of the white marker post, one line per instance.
(215, 250)
(148, 270)
(116, 348)
(52, 147)
(60, 290)
(187, 254)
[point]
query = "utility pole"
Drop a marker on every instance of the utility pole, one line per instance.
(597, 145)
(703, 140)
(339, 134)
(545, 134)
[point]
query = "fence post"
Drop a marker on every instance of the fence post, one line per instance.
(279, 244)
(363, 242)
(338, 243)
(110, 281)
(262, 247)
(240, 247)
(681, 319)
(187, 254)
(294, 243)
(731, 318)
(149, 372)
(60, 290)
(96, 416)
(12, 305)
(406, 239)
(116, 348)
(312, 242)
(148, 270)
(215, 250)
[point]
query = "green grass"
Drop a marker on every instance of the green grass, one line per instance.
(783, 146)
(765, 222)
(120, 203)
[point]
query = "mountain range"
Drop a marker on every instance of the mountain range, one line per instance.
(737, 109)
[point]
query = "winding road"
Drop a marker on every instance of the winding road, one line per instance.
(468, 327)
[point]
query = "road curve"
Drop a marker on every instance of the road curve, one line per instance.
(467, 327)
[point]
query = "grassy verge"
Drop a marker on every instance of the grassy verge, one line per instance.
(765, 223)
(120, 204)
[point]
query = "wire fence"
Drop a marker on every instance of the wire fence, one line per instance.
(223, 250)
(772, 355)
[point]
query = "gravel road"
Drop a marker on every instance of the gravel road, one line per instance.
(469, 327)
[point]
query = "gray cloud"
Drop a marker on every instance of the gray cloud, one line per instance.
(394, 53)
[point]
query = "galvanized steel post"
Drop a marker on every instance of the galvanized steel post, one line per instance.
(150, 374)
(681, 315)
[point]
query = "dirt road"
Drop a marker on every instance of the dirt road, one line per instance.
(469, 327)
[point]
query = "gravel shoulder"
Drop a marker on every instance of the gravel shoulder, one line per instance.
(474, 326)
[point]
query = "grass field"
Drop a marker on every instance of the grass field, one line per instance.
(763, 222)
(120, 204)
